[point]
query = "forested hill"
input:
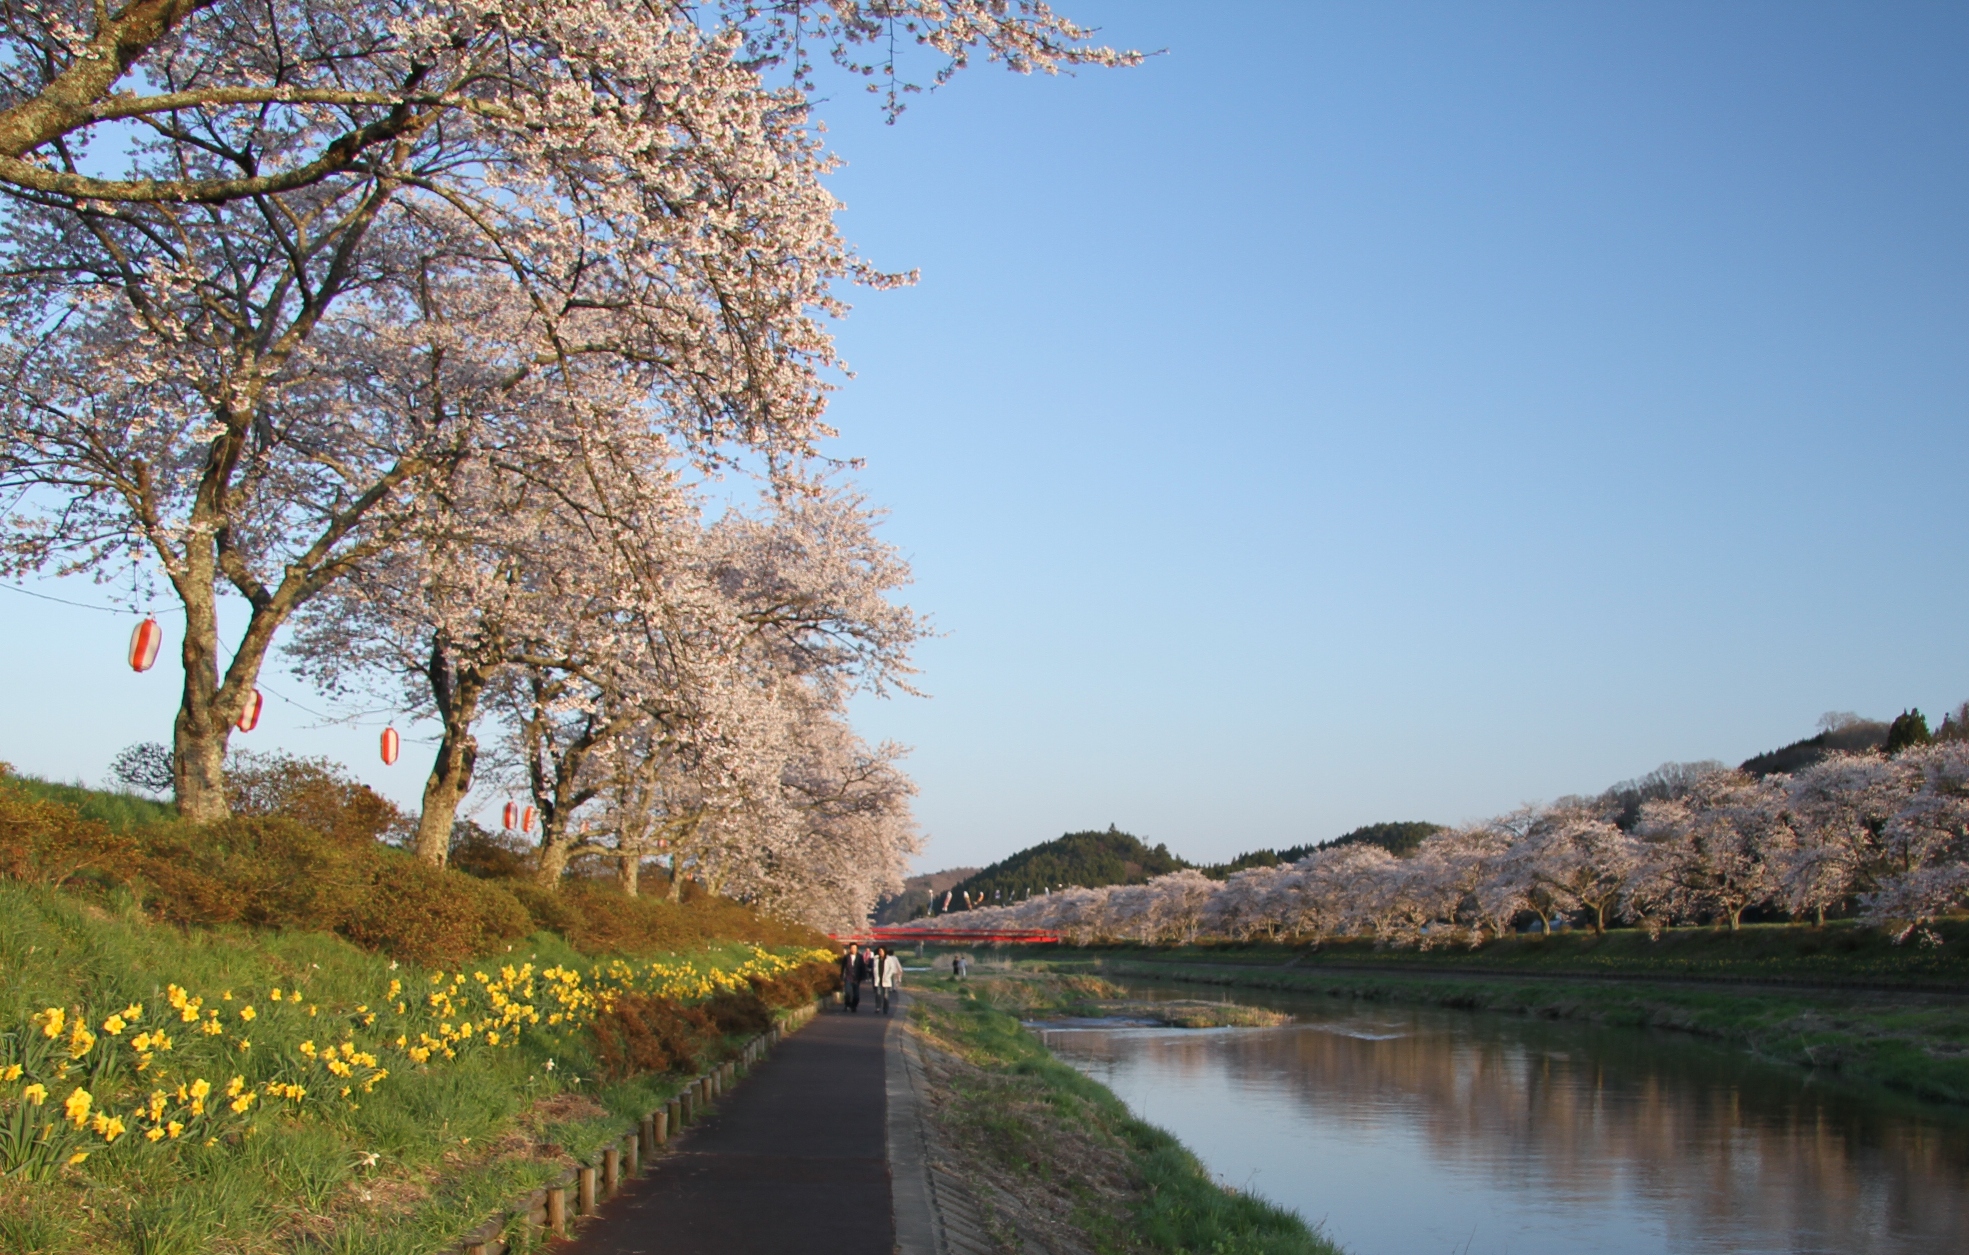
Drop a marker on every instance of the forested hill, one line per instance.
(1093, 859)
(1088, 859)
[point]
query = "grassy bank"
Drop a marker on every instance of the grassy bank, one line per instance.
(277, 1033)
(1916, 1044)
(351, 1102)
(1062, 1151)
(1839, 954)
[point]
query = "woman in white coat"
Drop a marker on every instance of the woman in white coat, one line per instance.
(888, 978)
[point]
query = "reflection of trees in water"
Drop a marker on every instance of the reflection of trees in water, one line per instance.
(1720, 1151)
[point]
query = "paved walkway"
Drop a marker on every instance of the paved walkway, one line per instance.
(793, 1159)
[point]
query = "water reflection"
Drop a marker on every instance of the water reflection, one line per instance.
(1418, 1130)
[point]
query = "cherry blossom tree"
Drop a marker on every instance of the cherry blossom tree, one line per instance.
(1923, 863)
(1715, 850)
(317, 248)
(1840, 806)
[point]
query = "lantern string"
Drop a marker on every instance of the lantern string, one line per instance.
(82, 605)
(355, 719)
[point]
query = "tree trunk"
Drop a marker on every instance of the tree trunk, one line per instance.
(207, 709)
(449, 781)
(632, 873)
(455, 692)
(554, 853)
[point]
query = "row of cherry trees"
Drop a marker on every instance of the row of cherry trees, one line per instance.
(1885, 837)
(409, 328)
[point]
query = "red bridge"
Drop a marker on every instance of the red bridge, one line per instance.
(903, 934)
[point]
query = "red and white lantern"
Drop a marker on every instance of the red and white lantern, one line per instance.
(512, 815)
(526, 820)
(249, 718)
(392, 746)
(144, 641)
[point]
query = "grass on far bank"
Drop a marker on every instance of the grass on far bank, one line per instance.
(1042, 1131)
(1841, 952)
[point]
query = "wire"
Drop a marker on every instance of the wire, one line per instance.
(356, 720)
(83, 605)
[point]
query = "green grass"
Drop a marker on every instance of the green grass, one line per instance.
(1175, 1205)
(1840, 953)
(121, 812)
(431, 1153)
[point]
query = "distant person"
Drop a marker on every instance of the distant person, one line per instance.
(851, 974)
(888, 978)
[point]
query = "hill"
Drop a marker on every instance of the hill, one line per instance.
(917, 892)
(1399, 838)
(1088, 859)
(1093, 859)
(1851, 736)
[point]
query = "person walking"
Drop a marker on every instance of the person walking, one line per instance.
(851, 974)
(888, 978)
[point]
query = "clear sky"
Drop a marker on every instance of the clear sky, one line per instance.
(1371, 411)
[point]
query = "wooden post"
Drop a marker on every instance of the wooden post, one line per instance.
(586, 1192)
(632, 1154)
(687, 1105)
(661, 1123)
(611, 1171)
(557, 1210)
(647, 1132)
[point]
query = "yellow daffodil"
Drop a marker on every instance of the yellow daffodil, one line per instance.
(77, 1107)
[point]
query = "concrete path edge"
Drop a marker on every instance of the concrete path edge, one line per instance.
(912, 1196)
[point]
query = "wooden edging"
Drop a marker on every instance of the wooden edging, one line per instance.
(582, 1189)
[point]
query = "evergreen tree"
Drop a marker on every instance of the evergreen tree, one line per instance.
(1910, 727)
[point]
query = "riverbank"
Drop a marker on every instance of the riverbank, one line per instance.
(1054, 1159)
(1839, 955)
(1907, 1041)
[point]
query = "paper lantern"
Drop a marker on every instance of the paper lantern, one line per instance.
(512, 816)
(144, 641)
(249, 718)
(526, 820)
(392, 746)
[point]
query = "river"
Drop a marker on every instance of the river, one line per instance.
(1413, 1131)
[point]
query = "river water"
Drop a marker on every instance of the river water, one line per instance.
(1412, 1131)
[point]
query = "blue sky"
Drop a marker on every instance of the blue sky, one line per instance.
(1375, 411)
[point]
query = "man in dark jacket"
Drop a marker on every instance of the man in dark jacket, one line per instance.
(853, 970)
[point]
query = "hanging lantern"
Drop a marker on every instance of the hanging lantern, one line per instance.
(512, 816)
(249, 718)
(526, 820)
(144, 641)
(392, 746)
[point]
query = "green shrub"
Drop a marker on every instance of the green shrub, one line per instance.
(304, 854)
